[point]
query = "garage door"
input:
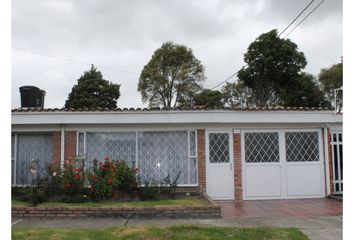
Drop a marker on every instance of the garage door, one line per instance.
(282, 164)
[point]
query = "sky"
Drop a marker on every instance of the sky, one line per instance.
(55, 41)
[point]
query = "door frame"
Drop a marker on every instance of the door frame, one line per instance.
(207, 165)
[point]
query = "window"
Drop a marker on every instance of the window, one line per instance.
(219, 151)
(32, 151)
(156, 153)
(302, 147)
(261, 147)
(115, 145)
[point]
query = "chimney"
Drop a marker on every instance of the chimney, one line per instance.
(32, 96)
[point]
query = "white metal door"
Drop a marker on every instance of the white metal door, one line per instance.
(219, 165)
(281, 164)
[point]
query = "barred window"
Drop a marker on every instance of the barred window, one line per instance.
(261, 147)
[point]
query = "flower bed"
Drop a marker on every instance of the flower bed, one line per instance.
(208, 210)
(79, 191)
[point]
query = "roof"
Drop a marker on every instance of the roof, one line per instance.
(197, 108)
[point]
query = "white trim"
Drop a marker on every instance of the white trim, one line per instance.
(137, 150)
(62, 146)
(158, 117)
(189, 162)
(15, 159)
(325, 139)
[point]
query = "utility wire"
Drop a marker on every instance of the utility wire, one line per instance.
(296, 17)
(227, 79)
(305, 18)
(71, 60)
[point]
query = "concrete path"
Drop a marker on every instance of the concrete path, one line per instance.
(317, 228)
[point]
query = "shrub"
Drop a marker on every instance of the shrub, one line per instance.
(149, 191)
(125, 177)
(72, 180)
(101, 180)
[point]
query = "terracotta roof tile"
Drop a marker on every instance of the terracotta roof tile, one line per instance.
(196, 108)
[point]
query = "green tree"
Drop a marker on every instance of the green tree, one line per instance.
(237, 95)
(209, 98)
(93, 91)
(305, 92)
(173, 74)
(273, 71)
(332, 78)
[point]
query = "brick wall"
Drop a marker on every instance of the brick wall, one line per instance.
(330, 161)
(70, 146)
(201, 159)
(56, 147)
(210, 210)
(237, 166)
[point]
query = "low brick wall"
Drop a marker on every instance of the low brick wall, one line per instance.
(211, 211)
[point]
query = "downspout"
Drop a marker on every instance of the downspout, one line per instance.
(325, 131)
(62, 146)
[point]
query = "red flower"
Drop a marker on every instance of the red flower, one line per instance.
(67, 185)
(110, 163)
(100, 163)
(77, 176)
(94, 177)
(77, 169)
(106, 158)
(110, 181)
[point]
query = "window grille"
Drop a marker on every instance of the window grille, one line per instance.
(261, 147)
(155, 153)
(302, 146)
(32, 151)
(337, 161)
(115, 145)
(219, 150)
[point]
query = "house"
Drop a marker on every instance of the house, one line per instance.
(231, 154)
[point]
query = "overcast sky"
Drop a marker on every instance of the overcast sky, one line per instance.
(119, 37)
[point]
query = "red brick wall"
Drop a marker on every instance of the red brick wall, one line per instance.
(201, 159)
(330, 161)
(56, 147)
(70, 146)
(237, 167)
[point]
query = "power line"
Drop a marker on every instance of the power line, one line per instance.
(296, 17)
(304, 18)
(71, 60)
(224, 81)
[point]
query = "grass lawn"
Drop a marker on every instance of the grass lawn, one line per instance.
(185, 201)
(176, 232)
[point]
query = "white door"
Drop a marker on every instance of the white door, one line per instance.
(282, 164)
(219, 165)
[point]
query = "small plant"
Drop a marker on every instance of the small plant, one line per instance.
(149, 191)
(38, 190)
(168, 187)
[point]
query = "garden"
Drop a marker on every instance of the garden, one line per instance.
(106, 189)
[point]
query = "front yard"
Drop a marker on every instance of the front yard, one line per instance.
(175, 232)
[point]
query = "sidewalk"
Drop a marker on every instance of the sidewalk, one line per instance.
(317, 228)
